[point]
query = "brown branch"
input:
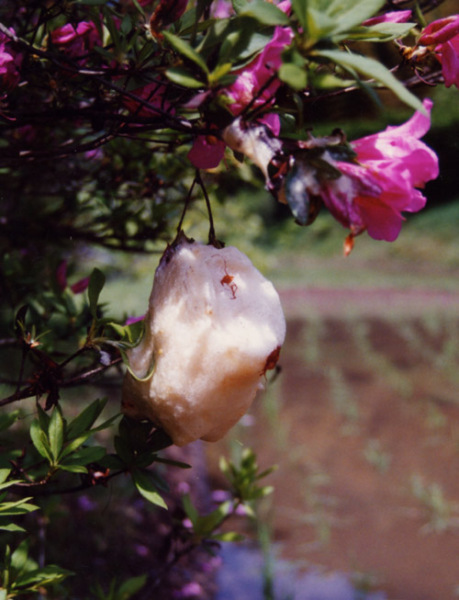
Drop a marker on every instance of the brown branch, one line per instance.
(35, 390)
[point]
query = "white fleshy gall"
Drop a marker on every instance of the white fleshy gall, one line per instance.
(214, 326)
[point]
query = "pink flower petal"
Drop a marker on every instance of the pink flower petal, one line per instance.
(396, 16)
(373, 194)
(450, 62)
(206, 152)
(440, 31)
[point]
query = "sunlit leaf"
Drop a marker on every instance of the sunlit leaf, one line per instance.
(207, 524)
(374, 70)
(265, 13)
(85, 419)
(131, 586)
(18, 507)
(11, 527)
(293, 75)
(56, 433)
(183, 77)
(41, 577)
(382, 32)
(40, 441)
(229, 536)
(73, 468)
(185, 50)
(145, 486)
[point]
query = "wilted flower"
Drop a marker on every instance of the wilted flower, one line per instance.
(443, 36)
(373, 193)
(366, 185)
(254, 141)
(166, 13)
(213, 328)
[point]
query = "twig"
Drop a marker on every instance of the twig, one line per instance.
(212, 237)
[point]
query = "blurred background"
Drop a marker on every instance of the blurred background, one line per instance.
(362, 418)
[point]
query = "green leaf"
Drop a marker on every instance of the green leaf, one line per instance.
(84, 456)
(8, 484)
(229, 536)
(322, 19)
(74, 445)
(173, 463)
(300, 10)
(382, 32)
(12, 527)
(265, 13)
(123, 450)
(206, 525)
(56, 433)
(126, 25)
(184, 78)
(293, 75)
(239, 5)
(7, 419)
(349, 13)
(96, 284)
(220, 71)
(375, 70)
(20, 556)
(146, 488)
(4, 475)
(112, 29)
(19, 507)
(73, 468)
(187, 51)
(130, 587)
(41, 577)
(43, 419)
(189, 509)
(84, 421)
(40, 441)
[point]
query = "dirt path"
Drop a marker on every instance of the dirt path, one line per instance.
(364, 425)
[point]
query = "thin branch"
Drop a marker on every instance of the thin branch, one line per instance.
(212, 237)
(83, 377)
(185, 207)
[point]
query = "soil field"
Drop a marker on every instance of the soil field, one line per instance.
(363, 422)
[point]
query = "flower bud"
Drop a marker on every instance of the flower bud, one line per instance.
(214, 326)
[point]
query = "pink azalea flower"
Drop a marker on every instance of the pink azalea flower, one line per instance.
(9, 63)
(396, 16)
(440, 31)
(253, 81)
(372, 194)
(443, 35)
(61, 277)
(222, 9)
(76, 41)
(132, 320)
